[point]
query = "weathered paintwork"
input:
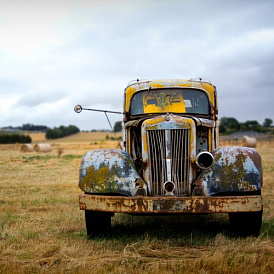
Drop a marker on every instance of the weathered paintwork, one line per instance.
(232, 184)
(170, 204)
(109, 171)
(172, 122)
(235, 169)
(143, 85)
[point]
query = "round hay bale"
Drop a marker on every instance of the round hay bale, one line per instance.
(249, 141)
(26, 148)
(42, 148)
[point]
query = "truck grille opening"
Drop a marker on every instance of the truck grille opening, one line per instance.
(169, 159)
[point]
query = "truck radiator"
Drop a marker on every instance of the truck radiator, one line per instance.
(169, 159)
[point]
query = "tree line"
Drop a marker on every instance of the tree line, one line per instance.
(31, 127)
(61, 131)
(227, 125)
(28, 127)
(14, 138)
(230, 125)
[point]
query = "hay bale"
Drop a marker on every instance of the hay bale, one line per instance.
(249, 141)
(26, 148)
(42, 148)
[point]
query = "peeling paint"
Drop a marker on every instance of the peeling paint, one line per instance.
(159, 123)
(235, 169)
(163, 148)
(109, 171)
(145, 85)
(170, 204)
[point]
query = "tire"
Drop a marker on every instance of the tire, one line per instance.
(97, 223)
(246, 224)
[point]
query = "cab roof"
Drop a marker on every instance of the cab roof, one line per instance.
(138, 85)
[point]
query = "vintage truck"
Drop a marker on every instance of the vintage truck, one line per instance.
(171, 162)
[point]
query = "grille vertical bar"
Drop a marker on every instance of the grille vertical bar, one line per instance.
(180, 159)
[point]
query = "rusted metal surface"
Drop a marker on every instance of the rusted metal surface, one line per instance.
(170, 204)
(204, 122)
(202, 139)
(235, 169)
(109, 171)
(167, 123)
(169, 160)
(177, 83)
(163, 136)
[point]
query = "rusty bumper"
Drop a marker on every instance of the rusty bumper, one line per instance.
(170, 204)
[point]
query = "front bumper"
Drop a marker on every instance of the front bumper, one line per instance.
(170, 204)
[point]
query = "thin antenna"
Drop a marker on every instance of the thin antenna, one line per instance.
(79, 108)
(119, 145)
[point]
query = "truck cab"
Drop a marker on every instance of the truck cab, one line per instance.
(167, 125)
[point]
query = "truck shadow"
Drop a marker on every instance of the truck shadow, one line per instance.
(170, 227)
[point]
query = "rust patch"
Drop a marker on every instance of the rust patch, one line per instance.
(109, 171)
(168, 204)
(235, 169)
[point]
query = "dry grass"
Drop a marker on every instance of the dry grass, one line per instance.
(82, 141)
(86, 137)
(42, 229)
(263, 143)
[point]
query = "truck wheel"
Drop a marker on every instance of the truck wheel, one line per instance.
(97, 223)
(246, 224)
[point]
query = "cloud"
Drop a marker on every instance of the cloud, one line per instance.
(36, 98)
(57, 54)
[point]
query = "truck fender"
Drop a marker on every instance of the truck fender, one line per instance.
(235, 170)
(110, 171)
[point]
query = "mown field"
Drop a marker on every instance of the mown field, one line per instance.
(42, 229)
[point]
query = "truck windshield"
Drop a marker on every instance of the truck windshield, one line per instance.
(170, 100)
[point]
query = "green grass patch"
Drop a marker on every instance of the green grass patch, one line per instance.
(267, 229)
(27, 255)
(38, 157)
(71, 156)
(49, 157)
(30, 234)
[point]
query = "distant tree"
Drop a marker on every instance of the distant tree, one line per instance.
(54, 133)
(62, 131)
(26, 126)
(252, 125)
(117, 126)
(267, 122)
(14, 138)
(31, 127)
(228, 125)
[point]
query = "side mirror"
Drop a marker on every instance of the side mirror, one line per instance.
(78, 108)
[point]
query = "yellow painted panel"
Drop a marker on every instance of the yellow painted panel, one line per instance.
(210, 89)
(164, 103)
(130, 90)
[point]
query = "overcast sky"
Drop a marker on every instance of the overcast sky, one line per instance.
(55, 54)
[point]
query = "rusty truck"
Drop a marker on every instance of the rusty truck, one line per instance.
(171, 162)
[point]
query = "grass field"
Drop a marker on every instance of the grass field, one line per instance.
(42, 229)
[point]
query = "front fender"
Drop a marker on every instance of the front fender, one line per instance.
(235, 169)
(109, 171)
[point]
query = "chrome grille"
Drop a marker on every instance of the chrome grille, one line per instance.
(169, 159)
